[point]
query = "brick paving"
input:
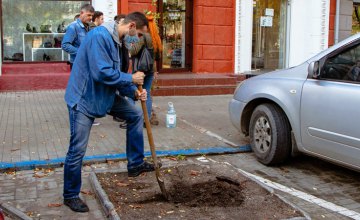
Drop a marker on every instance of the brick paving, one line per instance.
(34, 126)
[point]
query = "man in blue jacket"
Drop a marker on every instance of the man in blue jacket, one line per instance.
(90, 94)
(76, 32)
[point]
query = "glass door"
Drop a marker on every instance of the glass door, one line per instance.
(269, 34)
(176, 33)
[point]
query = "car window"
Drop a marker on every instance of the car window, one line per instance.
(344, 66)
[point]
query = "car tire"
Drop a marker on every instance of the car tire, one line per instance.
(270, 134)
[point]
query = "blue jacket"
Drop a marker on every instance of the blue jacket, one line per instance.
(96, 74)
(75, 34)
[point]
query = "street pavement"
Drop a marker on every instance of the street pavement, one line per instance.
(34, 129)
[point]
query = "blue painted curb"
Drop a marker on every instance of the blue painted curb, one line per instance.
(31, 164)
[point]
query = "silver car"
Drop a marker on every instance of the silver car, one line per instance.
(313, 108)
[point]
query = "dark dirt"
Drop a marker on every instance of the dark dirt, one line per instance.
(197, 192)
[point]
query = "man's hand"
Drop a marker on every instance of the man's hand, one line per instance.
(141, 95)
(138, 78)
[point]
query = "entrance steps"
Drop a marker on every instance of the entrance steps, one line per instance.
(40, 76)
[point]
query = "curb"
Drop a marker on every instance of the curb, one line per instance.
(107, 206)
(272, 191)
(58, 162)
(14, 212)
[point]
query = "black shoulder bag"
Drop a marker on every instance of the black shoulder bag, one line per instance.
(144, 60)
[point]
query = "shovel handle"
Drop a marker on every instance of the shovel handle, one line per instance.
(148, 129)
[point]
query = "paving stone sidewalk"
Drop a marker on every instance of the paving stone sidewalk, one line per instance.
(34, 126)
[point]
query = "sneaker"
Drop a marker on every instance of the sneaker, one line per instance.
(76, 204)
(145, 167)
(95, 123)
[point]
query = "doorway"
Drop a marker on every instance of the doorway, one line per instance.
(176, 34)
(269, 35)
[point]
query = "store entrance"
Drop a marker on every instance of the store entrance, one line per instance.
(269, 35)
(176, 33)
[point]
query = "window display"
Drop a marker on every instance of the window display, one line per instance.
(33, 29)
(174, 15)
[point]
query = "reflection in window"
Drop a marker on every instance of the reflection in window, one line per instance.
(33, 30)
(174, 16)
(343, 66)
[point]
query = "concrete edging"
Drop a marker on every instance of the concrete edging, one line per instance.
(107, 206)
(14, 212)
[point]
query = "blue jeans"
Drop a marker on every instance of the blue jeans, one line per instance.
(80, 126)
(148, 80)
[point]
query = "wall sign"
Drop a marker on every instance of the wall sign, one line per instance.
(269, 12)
(266, 21)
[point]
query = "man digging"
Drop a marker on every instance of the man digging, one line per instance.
(90, 94)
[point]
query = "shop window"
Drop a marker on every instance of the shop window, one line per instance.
(33, 29)
(176, 32)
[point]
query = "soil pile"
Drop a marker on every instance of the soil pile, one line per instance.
(196, 192)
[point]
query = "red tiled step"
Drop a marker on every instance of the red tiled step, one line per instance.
(35, 68)
(193, 90)
(25, 82)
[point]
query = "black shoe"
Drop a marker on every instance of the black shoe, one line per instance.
(118, 119)
(145, 167)
(123, 125)
(76, 204)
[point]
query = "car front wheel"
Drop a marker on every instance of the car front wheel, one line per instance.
(270, 135)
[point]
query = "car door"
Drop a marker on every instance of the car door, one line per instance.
(330, 107)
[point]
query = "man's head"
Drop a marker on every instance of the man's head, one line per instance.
(98, 18)
(86, 13)
(119, 17)
(133, 24)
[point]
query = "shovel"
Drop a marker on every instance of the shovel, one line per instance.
(152, 148)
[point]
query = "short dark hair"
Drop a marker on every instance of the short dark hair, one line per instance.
(119, 17)
(76, 16)
(87, 7)
(137, 17)
(97, 14)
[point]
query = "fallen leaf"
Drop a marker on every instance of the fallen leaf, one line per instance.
(194, 173)
(110, 162)
(122, 184)
(102, 136)
(136, 206)
(54, 205)
(38, 175)
(173, 158)
(86, 192)
(16, 149)
(169, 212)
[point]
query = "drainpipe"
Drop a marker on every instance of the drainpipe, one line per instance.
(337, 19)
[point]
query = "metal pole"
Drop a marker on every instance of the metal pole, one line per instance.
(337, 21)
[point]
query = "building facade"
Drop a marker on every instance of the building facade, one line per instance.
(199, 36)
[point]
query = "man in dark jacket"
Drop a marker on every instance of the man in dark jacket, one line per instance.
(90, 93)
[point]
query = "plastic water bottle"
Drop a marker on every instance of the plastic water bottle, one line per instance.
(171, 116)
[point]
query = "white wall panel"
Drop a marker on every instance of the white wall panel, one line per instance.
(309, 29)
(108, 7)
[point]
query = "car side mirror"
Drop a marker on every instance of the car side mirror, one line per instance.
(314, 69)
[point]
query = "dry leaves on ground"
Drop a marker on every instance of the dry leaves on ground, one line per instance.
(54, 204)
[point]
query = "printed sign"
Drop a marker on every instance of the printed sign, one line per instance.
(269, 12)
(266, 21)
